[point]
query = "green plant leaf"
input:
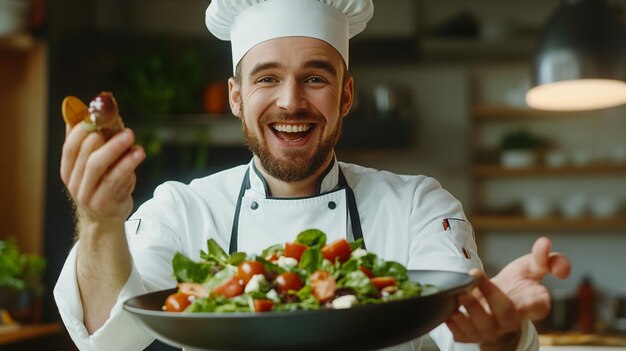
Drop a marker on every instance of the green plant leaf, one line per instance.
(20, 271)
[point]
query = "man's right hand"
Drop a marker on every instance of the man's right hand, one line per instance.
(100, 177)
(99, 174)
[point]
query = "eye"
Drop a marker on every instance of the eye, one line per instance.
(266, 80)
(316, 80)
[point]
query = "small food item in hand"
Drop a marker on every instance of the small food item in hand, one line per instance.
(74, 111)
(104, 114)
(101, 115)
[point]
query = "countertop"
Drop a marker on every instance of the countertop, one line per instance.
(569, 341)
(576, 339)
(582, 348)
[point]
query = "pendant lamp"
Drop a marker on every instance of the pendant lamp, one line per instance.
(581, 59)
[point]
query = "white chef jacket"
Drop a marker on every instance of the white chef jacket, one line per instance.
(408, 219)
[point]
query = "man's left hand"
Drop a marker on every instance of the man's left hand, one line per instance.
(496, 308)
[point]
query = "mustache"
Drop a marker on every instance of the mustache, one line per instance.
(282, 116)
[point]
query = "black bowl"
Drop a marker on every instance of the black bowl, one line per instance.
(365, 327)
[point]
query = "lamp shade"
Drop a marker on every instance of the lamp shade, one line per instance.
(581, 59)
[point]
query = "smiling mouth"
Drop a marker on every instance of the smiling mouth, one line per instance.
(291, 132)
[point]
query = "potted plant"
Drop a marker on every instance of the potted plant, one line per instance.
(154, 89)
(21, 283)
(520, 148)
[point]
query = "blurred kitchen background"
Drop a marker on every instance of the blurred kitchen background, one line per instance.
(440, 88)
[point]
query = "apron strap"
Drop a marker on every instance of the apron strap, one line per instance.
(355, 220)
(245, 185)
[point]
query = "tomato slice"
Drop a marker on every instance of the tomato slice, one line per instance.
(193, 289)
(263, 305)
(323, 286)
(247, 269)
(382, 282)
(176, 302)
(366, 271)
(272, 258)
(295, 250)
(288, 281)
(229, 288)
(338, 249)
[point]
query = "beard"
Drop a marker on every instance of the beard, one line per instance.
(294, 165)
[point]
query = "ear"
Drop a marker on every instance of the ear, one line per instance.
(234, 97)
(347, 96)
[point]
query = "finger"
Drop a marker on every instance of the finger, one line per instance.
(559, 265)
(478, 274)
(484, 324)
(502, 309)
(73, 141)
(122, 176)
(462, 328)
(478, 295)
(126, 188)
(457, 333)
(117, 185)
(102, 160)
(92, 142)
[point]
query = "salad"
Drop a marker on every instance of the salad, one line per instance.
(306, 274)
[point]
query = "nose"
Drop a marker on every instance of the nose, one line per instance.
(290, 96)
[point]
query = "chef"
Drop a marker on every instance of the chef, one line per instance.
(291, 90)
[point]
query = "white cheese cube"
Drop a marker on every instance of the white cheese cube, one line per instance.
(345, 301)
(255, 283)
(358, 253)
(286, 262)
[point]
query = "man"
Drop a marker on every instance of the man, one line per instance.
(291, 90)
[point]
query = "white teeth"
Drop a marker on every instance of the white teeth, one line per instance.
(291, 128)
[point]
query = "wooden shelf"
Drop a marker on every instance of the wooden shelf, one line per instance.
(578, 338)
(555, 223)
(21, 42)
(485, 168)
(27, 332)
(495, 170)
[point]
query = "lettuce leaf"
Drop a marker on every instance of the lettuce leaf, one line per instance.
(187, 270)
(359, 282)
(311, 259)
(215, 253)
(390, 269)
(312, 238)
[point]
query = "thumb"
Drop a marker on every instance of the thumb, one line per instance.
(540, 256)
(545, 262)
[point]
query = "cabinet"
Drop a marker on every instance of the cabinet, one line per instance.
(499, 191)
(23, 101)
(23, 147)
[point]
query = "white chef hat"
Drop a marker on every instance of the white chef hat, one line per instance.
(247, 23)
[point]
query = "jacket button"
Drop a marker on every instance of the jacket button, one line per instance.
(332, 205)
(254, 205)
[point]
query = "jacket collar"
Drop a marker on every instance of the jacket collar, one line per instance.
(329, 179)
